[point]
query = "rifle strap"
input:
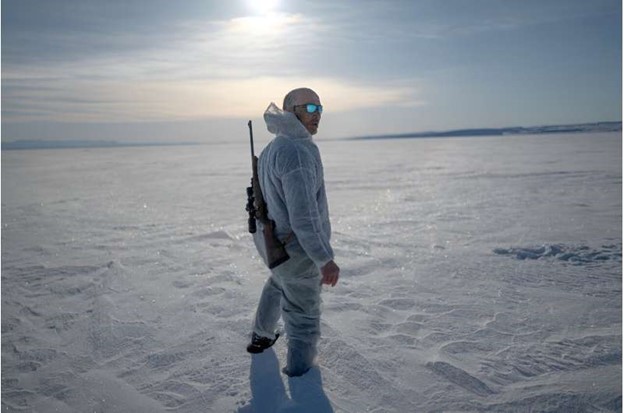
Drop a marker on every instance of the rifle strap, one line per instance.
(288, 238)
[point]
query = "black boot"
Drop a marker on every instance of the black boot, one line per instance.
(259, 344)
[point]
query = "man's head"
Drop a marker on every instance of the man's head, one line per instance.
(306, 105)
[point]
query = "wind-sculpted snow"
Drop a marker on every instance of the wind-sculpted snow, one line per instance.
(478, 275)
(460, 378)
(577, 255)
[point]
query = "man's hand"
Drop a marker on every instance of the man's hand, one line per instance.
(330, 273)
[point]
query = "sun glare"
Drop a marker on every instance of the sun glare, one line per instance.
(263, 6)
(271, 24)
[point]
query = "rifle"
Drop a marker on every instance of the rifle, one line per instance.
(257, 208)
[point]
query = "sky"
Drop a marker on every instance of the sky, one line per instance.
(197, 70)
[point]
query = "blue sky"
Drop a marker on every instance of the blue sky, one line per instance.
(197, 70)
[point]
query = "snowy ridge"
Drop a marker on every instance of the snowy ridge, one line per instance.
(576, 255)
(597, 127)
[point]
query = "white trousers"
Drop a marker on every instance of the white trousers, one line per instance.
(293, 291)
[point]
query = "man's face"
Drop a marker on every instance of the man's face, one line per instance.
(309, 120)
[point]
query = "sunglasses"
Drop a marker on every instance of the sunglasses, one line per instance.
(311, 108)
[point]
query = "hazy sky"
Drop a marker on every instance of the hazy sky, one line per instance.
(197, 70)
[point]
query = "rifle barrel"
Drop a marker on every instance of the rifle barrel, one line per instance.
(251, 139)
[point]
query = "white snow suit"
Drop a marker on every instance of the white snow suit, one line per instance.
(290, 172)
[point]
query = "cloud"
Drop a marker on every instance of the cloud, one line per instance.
(275, 43)
(430, 21)
(112, 101)
(209, 69)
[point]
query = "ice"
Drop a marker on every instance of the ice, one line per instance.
(478, 274)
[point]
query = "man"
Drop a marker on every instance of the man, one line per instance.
(290, 173)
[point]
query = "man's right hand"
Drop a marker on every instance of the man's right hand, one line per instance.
(330, 273)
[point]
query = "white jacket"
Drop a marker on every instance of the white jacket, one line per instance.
(290, 172)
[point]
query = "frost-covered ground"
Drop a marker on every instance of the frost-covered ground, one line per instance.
(479, 274)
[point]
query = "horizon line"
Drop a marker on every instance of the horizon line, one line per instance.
(601, 126)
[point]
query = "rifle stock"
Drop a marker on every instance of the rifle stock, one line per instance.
(275, 250)
(276, 253)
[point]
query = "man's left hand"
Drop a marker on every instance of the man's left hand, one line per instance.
(330, 273)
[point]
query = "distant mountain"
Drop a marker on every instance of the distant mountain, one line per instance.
(65, 144)
(519, 130)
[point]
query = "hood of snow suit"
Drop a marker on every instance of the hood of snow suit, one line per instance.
(283, 123)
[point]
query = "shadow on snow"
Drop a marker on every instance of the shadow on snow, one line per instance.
(269, 393)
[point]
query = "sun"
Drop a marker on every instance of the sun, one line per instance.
(263, 6)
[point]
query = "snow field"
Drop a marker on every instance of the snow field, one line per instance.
(479, 274)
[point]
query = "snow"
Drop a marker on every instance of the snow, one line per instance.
(479, 274)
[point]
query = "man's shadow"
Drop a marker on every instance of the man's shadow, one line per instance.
(269, 394)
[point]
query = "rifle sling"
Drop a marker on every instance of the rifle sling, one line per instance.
(288, 238)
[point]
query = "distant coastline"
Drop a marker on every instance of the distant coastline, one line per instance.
(519, 130)
(76, 144)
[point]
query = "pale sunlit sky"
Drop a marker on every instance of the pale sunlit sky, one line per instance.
(157, 70)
